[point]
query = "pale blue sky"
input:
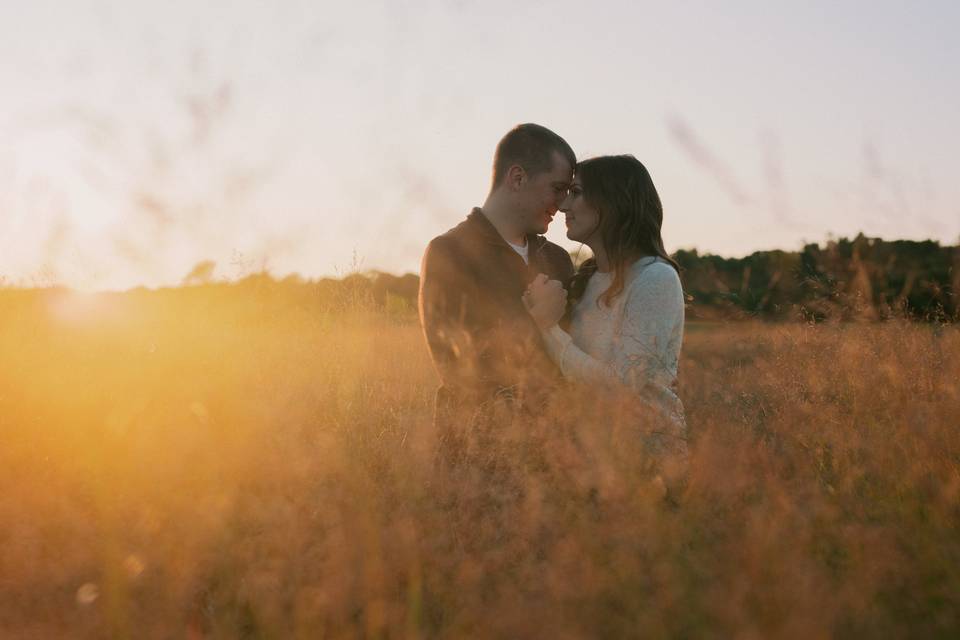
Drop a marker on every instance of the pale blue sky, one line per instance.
(137, 138)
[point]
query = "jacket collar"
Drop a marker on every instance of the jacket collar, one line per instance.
(489, 233)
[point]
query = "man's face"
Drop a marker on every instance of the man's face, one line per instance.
(542, 194)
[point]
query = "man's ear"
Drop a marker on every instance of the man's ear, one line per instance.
(516, 177)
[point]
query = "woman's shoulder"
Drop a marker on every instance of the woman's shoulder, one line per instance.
(654, 272)
(656, 283)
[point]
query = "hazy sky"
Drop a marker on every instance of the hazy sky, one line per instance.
(138, 138)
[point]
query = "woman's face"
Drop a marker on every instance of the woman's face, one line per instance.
(583, 220)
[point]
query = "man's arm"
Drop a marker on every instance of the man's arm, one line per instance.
(445, 292)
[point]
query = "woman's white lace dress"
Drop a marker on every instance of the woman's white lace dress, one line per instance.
(634, 342)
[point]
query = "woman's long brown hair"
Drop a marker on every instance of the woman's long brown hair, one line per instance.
(621, 190)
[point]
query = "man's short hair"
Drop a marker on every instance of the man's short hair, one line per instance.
(530, 146)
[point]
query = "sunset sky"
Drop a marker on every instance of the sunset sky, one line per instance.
(138, 138)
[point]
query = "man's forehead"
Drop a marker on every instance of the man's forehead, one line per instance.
(561, 166)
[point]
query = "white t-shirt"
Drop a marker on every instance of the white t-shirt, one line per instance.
(523, 250)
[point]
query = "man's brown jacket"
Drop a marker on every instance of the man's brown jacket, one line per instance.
(481, 338)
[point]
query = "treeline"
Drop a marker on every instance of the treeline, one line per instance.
(859, 279)
(863, 278)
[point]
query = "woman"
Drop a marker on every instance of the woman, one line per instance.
(626, 304)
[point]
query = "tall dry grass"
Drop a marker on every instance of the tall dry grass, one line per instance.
(183, 464)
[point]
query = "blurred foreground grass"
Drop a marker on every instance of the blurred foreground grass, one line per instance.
(181, 465)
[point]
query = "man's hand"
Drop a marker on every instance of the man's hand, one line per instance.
(546, 300)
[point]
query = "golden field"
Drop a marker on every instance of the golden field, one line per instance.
(217, 462)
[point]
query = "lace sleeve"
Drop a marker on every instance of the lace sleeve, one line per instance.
(574, 363)
(646, 340)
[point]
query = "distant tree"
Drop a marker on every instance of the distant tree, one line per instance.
(202, 273)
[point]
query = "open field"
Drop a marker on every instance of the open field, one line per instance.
(184, 464)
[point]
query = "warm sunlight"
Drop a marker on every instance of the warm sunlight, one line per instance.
(82, 309)
(454, 319)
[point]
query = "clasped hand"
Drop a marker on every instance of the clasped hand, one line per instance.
(546, 300)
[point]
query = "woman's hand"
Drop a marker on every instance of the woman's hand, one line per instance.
(546, 300)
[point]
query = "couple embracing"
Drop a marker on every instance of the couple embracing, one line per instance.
(506, 318)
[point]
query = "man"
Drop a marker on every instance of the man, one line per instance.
(482, 341)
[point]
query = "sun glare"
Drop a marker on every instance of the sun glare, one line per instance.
(80, 308)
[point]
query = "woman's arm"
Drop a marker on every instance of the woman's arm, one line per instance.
(574, 363)
(642, 336)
